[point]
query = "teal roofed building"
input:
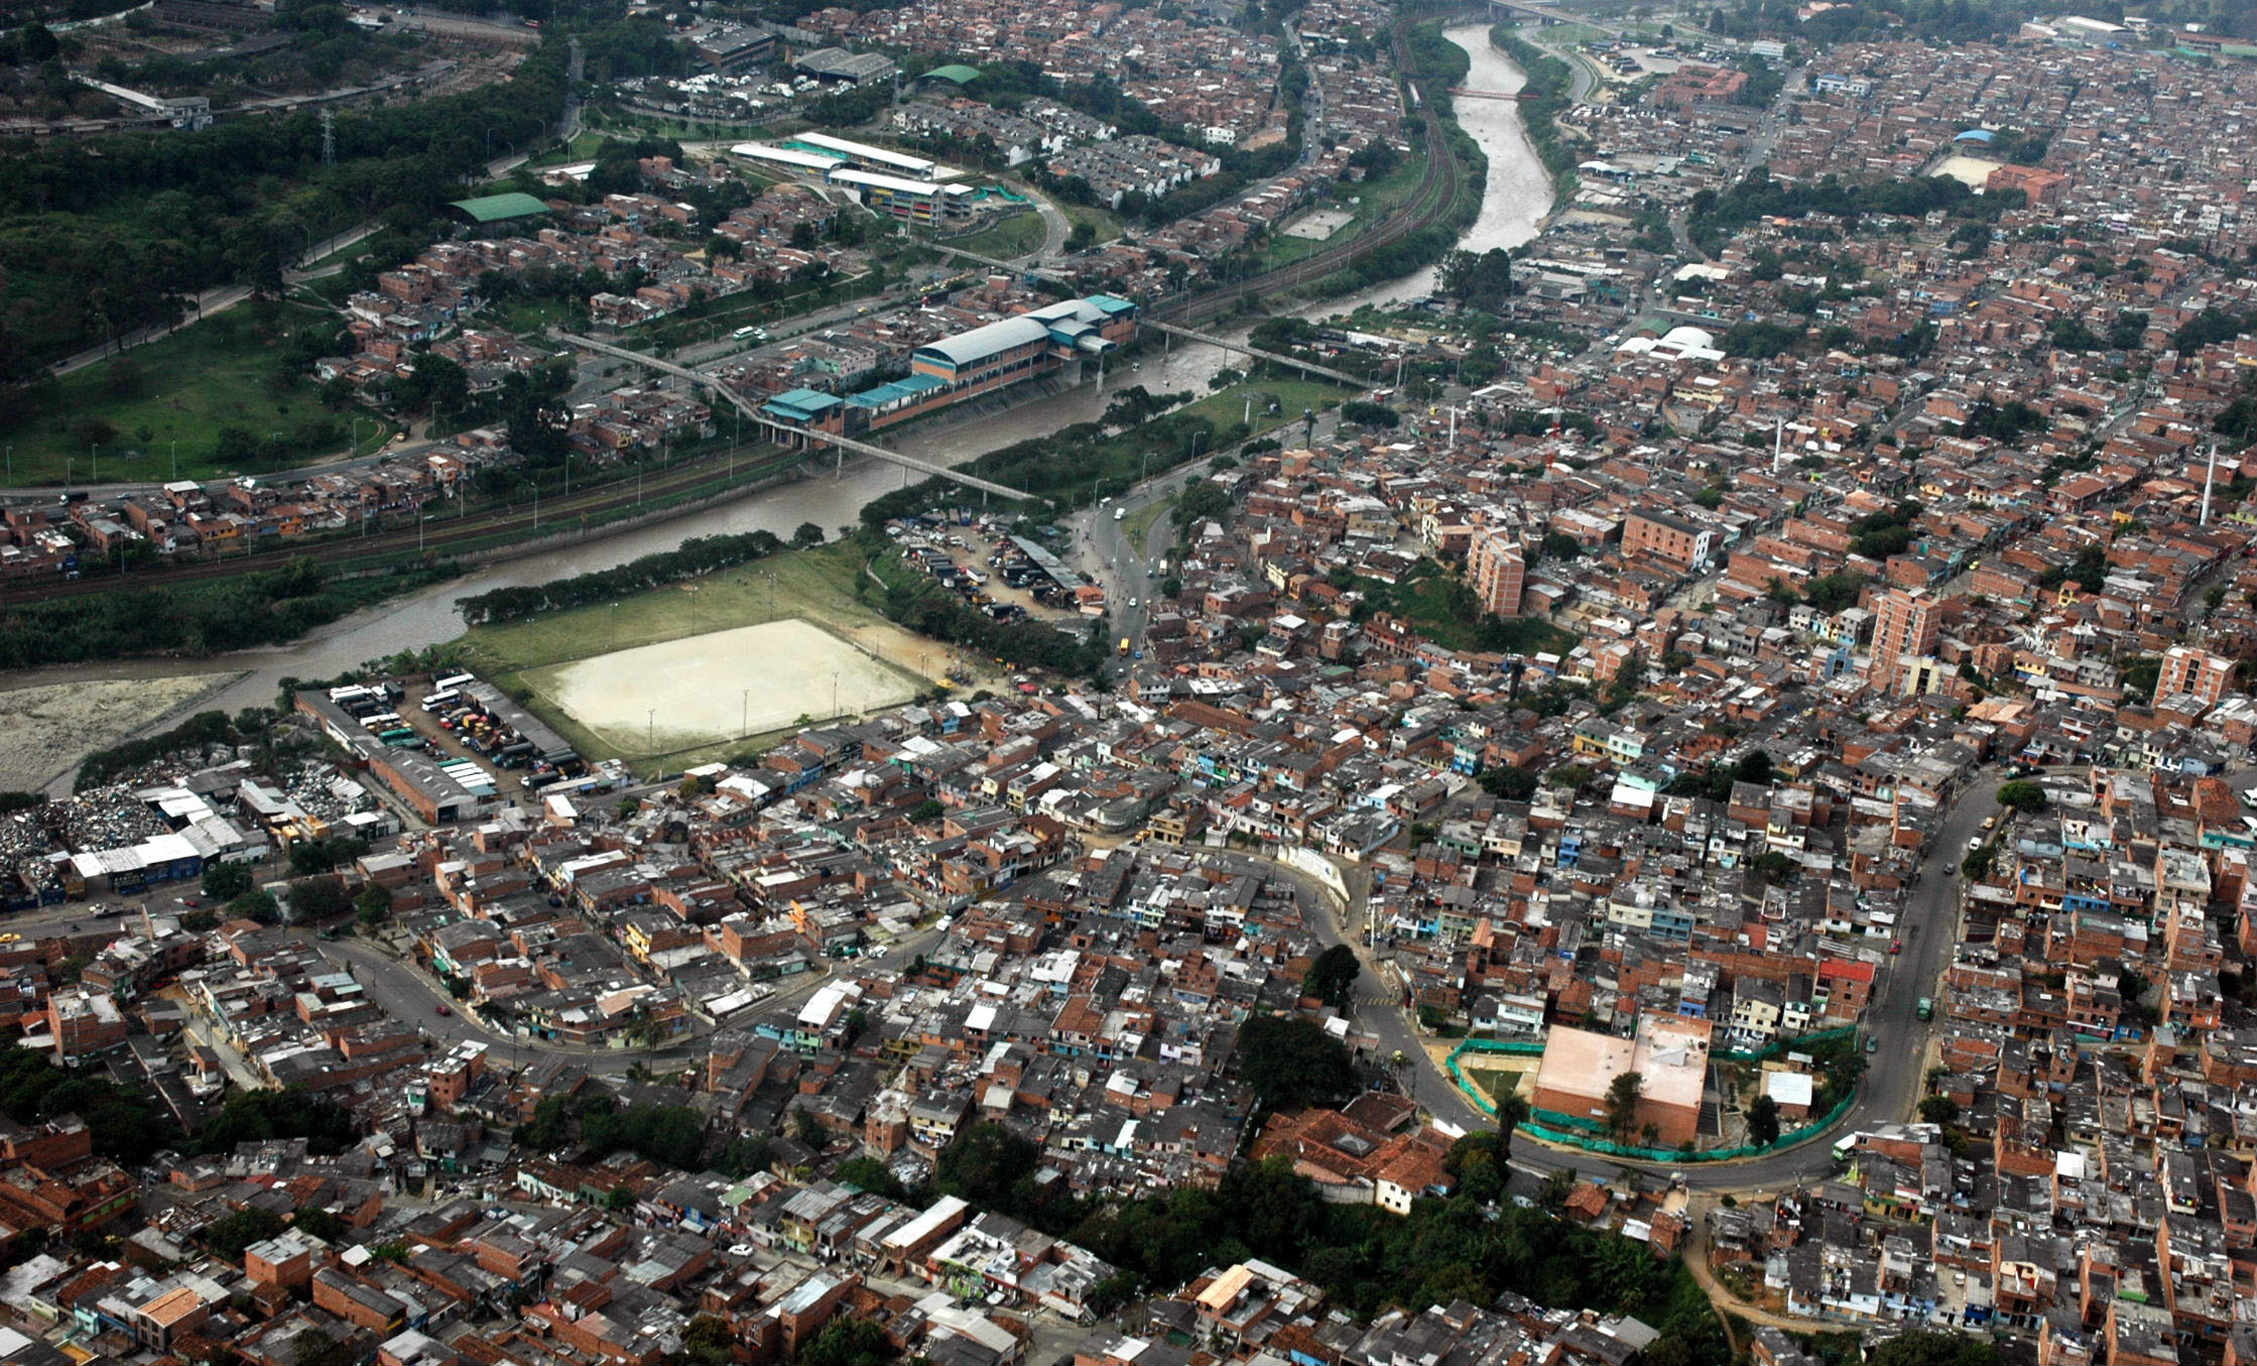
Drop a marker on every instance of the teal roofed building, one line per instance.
(496, 208)
(803, 408)
(955, 73)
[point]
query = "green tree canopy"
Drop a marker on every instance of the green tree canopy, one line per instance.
(1332, 978)
(2022, 796)
(1291, 1062)
(1763, 1121)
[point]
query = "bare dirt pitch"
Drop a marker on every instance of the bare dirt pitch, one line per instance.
(696, 690)
(47, 729)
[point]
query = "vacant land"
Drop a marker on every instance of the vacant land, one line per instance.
(814, 586)
(46, 730)
(125, 418)
(1103, 222)
(1015, 234)
(724, 685)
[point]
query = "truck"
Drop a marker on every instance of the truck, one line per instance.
(1124, 645)
(1926, 1009)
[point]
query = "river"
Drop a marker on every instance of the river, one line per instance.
(1517, 197)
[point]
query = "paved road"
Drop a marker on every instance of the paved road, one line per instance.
(221, 298)
(412, 996)
(1894, 1074)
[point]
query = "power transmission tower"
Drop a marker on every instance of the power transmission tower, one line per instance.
(328, 137)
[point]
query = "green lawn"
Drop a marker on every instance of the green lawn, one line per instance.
(178, 395)
(1138, 524)
(1103, 222)
(817, 585)
(1014, 234)
(1375, 199)
(529, 316)
(1293, 397)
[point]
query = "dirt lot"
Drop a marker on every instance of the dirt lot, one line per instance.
(811, 586)
(733, 684)
(46, 730)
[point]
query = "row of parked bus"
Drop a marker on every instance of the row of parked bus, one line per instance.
(480, 731)
(375, 706)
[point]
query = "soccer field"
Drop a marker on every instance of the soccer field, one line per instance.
(723, 685)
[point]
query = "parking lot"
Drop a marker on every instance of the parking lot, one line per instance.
(993, 572)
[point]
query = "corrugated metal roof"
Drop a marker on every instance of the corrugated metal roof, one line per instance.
(967, 348)
(493, 208)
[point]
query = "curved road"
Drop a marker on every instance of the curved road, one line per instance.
(1894, 1072)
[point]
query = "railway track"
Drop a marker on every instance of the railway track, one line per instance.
(1437, 190)
(441, 536)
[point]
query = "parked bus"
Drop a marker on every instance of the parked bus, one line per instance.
(445, 697)
(452, 682)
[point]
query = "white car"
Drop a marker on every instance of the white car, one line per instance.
(1974, 842)
(1132, 604)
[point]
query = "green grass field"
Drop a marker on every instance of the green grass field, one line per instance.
(1014, 234)
(178, 393)
(1293, 397)
(1103, 222)
(1139, 524)
(1375, 199)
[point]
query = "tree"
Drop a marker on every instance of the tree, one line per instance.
(868, 1173)
(319, 898)
(2022, 796)
(1939, 1110)
(1928, 1347)
(1510, 782)
(708, 1341)
(233, 1232)
(1332, 978)
(373, 904)
(226, 881)
(37, 43)
(255, 905)
(1291, 1063)
(1979, 862)
(807, 534)
(1476, 1164)
(984, 1164)
(848, 1341)
(1763, 1122)
(1623, 1095)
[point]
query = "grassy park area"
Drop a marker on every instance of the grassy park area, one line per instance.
(1374, 200)
(1014, 234)
(127, 417)
(1103, 222)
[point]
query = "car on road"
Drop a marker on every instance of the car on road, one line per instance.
(1974, 842)
(1896, 946)
(1872, 1045)
(1990, 822)
(442, 1010)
